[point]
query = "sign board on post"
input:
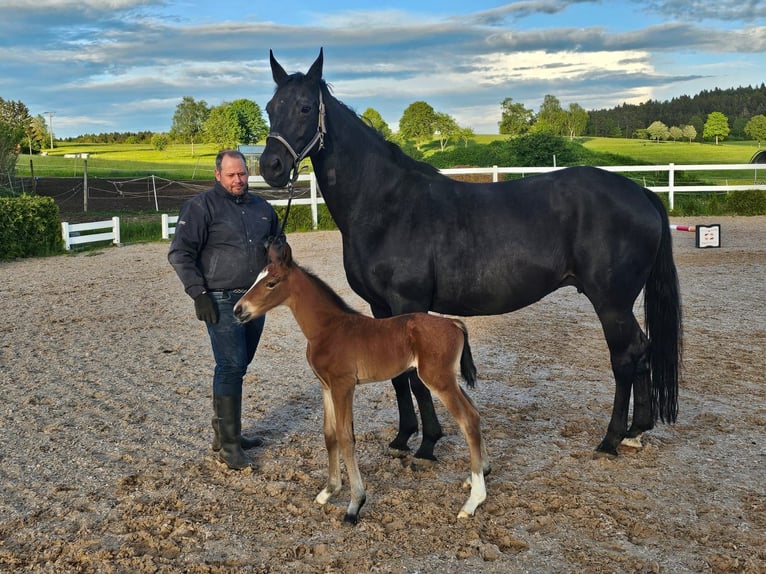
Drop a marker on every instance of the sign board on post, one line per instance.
(708, 235)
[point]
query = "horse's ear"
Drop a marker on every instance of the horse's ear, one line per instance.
(315, 71)
(277, 71)
(287, 255)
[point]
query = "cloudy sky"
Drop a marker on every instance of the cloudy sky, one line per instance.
(124, 65)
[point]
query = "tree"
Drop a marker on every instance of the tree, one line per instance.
(716, 126)
(189, 120)
(373, 118)
(235, 122)
(689, 132)
(36, 133)
(675, 133)
(756, 128)
(446, 128)
(575, 120)
(465, 135)
(221, 127)
(160, 142)
(658, 131)
(551, 119)
(252, 125)
(515, 118)
(10, 139)
(418, 123)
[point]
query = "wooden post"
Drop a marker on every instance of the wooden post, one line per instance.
(85, 185)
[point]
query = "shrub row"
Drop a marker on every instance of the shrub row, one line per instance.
(29, 227)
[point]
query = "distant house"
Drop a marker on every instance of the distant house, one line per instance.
(253, 155)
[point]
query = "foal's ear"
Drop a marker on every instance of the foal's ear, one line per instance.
(277, 71)
(315, 71)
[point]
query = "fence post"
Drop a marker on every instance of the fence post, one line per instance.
(494, 174)
(65, 235)
(116, 230)
(165, 234)
(314, 208)
(671, 182)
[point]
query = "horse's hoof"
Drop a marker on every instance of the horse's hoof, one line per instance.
(397, 452)
(605, 454)
(352, 519)
(633, 442)
(425, 454)
(417, 464)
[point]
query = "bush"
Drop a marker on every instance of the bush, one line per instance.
(746, 202)
(29, 227)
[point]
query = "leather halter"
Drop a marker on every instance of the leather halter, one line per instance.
(318, 138)
(298, 157)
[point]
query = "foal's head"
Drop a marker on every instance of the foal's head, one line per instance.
(270, 288)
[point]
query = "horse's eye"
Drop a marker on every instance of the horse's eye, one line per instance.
(271, 284)
(305, 109)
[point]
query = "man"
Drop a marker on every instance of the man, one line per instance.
(218, 250)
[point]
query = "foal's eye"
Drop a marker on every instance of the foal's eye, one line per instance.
(305, 109)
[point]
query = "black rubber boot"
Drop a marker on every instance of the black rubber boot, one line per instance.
(228, 412)
(247, 443)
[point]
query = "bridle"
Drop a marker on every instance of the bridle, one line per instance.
(299, 157)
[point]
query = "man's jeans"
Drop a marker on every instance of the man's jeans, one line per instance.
(233, 343)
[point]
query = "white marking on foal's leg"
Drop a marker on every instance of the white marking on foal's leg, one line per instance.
(326, 494)
(633, 442)
(478, 495)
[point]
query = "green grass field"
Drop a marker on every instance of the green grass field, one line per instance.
(177, 161)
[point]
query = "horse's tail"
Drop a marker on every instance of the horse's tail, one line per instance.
(467, 367)
(662, 317)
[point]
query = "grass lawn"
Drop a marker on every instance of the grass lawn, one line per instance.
(177, 161)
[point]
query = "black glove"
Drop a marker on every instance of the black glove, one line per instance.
(205, 308)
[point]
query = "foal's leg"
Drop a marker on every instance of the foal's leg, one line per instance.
(343, 399)
(334, 481)
(627, 348)
(444, 384)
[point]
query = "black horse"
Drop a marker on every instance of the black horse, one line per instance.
(416, 240)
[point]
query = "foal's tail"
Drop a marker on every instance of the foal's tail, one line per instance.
(467, 368)
(662, 316)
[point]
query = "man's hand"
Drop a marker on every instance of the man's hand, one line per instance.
(205, 308)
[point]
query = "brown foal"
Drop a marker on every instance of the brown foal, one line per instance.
(346, 348)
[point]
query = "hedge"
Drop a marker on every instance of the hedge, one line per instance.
(29, 227)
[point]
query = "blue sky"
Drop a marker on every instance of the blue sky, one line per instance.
(124, 65)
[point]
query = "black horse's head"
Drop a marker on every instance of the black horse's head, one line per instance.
(296, 114)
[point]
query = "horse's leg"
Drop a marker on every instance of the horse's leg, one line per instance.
(444, 384)
(432, 429)
(343, 398)
(334, 481)
(628, 353)
(643, 417)
(408, 421)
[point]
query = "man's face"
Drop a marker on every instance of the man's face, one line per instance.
(232, 175)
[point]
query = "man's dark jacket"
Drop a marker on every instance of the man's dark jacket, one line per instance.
(219, 242)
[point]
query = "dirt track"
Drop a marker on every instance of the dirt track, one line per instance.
(105, 463)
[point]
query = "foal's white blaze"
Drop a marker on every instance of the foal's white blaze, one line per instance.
(478, 495)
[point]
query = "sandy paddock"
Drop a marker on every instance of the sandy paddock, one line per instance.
(105, 463)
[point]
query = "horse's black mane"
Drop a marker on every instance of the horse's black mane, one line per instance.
(337, 299)
(396, 153)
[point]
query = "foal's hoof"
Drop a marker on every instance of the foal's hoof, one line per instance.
(633, 442)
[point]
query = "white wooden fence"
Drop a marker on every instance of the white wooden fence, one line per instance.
(168, 225)
(72, 233)
(671, 189)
